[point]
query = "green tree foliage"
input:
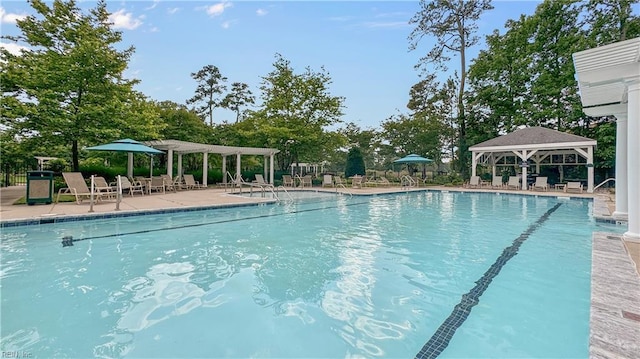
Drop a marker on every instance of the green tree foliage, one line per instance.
(355, 163)
(238, 97)
(211, 84)
(295, 112)
(500, 78)
(68, 88)
(182, 124)
(367, 140)
(611, 21)
(452, 24)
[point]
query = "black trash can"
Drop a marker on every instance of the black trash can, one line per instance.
(39, 187)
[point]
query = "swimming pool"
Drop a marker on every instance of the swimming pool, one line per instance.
(324, 276)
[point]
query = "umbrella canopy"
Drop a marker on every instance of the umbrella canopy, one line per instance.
(130, 146)
(413, 158)
(126, 145)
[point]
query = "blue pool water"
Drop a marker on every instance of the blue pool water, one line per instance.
(324, 276)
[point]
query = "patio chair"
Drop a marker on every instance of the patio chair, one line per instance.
(573, 186)
(327, 181)
(383, 181)
(306, 181)
(169, 183)
(103, 187)
(474, 182)
(514, 182)
(157, 184)
(287, 181)
(337, 180)
(356, 181)
(76, 186)
(132, 186)
(497, 182)
(261, 182)
(190, 182)
(541, 184)
(367, 181)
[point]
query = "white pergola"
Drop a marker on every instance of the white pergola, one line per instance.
(539, 145)
(609, 82)
(182, 147)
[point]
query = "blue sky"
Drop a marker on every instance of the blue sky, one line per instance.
(361, 44)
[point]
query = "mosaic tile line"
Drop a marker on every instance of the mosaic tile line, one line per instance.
(441, 338)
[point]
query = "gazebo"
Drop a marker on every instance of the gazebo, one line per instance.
(538, 145)
(609, 82)
(183, 147)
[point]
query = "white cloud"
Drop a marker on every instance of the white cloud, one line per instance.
(173, 10)
(153, 5)
(226, 24)
(261, 12)
(154, 29)
(217, 9)
(125, 20)
(13, 47)
(9, 18)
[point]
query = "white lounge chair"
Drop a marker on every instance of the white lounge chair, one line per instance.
(190, 182)
(327, 181)
(573, 186)
(306, 181)
(77, 186)
(541, 184)
(514, 182)
(157, 184)
(133, 186)
(497, 182)
(356, 181)
(383, 181)
(103, 187)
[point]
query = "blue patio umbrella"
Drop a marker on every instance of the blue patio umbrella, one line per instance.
(127, 145)
(413, 158)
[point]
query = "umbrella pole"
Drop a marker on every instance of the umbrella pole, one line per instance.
(130, 164)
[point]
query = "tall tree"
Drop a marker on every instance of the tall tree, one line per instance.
(68, 87)
(500, 78)
(452, 24)
(296, 109)
(612, 20)
(557, 35)
(238, 96)
(211, 84)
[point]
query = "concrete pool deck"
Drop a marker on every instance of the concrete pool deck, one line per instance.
(615, 278)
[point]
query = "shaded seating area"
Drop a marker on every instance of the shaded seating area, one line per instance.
(497, 182)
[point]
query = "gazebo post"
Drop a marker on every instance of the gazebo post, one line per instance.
(205, 168)
(622, 186)
(170, 163)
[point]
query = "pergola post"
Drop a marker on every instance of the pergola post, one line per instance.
(238, 172)
(224, 170)
(589, 169)
(622, 186)
(474, 163)
(265, 168)
(180, 164)
(170, 163)
(130, 164)
(271, 169)
(205, 169)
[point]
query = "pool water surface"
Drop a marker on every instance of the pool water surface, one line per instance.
(323, 276)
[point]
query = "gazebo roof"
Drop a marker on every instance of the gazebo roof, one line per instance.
(192, 147)
(533, 138)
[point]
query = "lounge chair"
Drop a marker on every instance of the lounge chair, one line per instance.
(573, 186)
(497, 182)
(306, 181)
(541, 184)
(101, 185)
(287, 181)
(157, 184)
(327, 181)
(171, 184)
(261, 182)
(190, 182)
(474, 182)
(133, 186)
(77, 186)
(356, 181)
(514, 182)
(383, 181)
(367, 181)
(337, 180)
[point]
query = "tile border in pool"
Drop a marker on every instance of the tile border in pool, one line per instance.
(95, 216)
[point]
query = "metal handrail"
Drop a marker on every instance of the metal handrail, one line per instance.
(345, 189)
(407, 181)
(603, 182)
(285, 191)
